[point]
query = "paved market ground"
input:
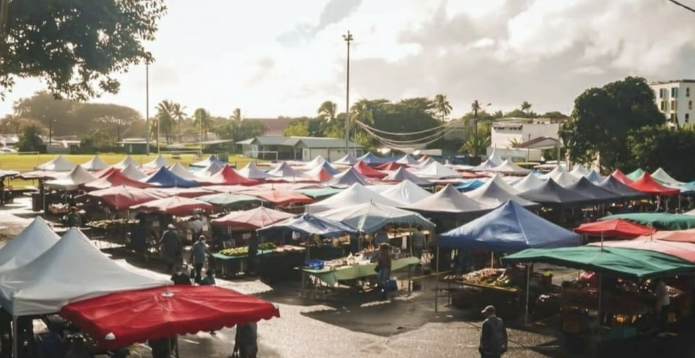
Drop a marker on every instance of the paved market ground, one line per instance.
(361, 326)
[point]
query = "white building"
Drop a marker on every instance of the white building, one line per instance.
(675, 100)
(507, 134)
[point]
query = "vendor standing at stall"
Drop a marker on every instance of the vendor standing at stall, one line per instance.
(198, 253)
(418, 242)
(74, 219)
(171, 247)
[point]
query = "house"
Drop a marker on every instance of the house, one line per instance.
(675, 100)
(297, 148)
(510, 133)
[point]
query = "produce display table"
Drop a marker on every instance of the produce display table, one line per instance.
(270, 262)
(331, 276)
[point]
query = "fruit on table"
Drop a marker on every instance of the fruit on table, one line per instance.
(266, 246)
(238, 251)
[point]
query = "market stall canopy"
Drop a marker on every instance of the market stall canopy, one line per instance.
(447, 200)
(166, 179)
(175, 205)
(182, 172)
(320, 193)
(71, 270)
(354, 195)
(614, 228)
(367, 171)
(41, 174)
(139, 316)
(227, 176)
(128, 160)
(209, 170)
(424, 158)
(495, 157)
(470, 185)
(660, 221)
(612, 261)
(594, 177)
(530, 182)
(636, 174)
(401, 174)
(182, 192)
(230, 199)
(122, 197)
(156, 163)
(507, 167)
(598, 194)
(436, 170)
(560, 176)
(687, 236)
(682, 250)
(372, 159)
(133, 172)
(407, 160)
(280, 197)
(348, 178)
(390, 166)
(647, 185)
(212, 159)
(349, 159)
(94, 164)
(617, 174)
(104, 172)
(425, 162)
(283, 172)
(484, 166)
(580, 171)
(370, 217)
(496, 192)
(317, 175)
(7, 174)
(509, 228)
(251, 171)
(57, 164)
(252, 219)
(308, 224)
(612, 184)
(406, 192)
(33, 241)
(78, 176)
(551, 193)
(665, 178)
(320, 162)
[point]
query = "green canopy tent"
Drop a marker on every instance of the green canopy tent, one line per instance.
(229, 199)
(320, 193)
(635, 174)
(661, 221)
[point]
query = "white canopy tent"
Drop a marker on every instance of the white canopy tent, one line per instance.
(507, 167)
(73, 180)
(251, 171)
(447, 200)
(133, 172)
(529, 182)
(316, 162)
(181, 171)
(370, 217)
(57, 164)
(33, 241)
(402, 175)
(407, 160)
(156, 163)
(406, 192)
(211, 169)
(128, 160)
(484, 166)
(436, 170)
(662, 176)
(580, 171)
(349, 159)
(94, 164)
(348, 178)
(496, 192)
(72, 270)
(495, 157)
(354, 195)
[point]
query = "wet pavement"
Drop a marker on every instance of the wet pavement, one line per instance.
(361, 325)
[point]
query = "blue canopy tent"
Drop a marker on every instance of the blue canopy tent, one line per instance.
(210, 160)
(508, 228)
(164, 178)
(470, 185)
(308, 224)
(372, 159)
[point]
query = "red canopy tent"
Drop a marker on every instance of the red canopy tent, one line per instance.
(252, 219)
(115, 178)
(621, 177)
(227, 176)
(679, 249)
(104, 172)
(389, 166)
(364, 169)
(646, 184)
(614, 228)
(318, 175)
(182, 192)
(122, 197)
(175, 205)
(280, 197)
(687, 236)
(121, 319)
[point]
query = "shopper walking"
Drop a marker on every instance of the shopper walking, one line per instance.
(198, 253)
(170, 247)
(493, 337)
(246, 341)
(418, 242)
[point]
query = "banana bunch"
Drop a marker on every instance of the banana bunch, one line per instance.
(238, 251)
(266, 246)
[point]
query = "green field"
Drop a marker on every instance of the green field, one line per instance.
(27, 162)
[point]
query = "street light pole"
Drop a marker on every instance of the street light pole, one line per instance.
(147, 104)
(348, 38)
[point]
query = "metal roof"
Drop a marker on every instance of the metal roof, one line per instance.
(306, 142)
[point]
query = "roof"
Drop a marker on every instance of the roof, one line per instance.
(540, 143)
(306, 142)
(671, 81)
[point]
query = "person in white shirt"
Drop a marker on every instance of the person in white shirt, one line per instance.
(663, 303)
(196, 227)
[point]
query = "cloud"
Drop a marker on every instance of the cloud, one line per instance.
(283, 58)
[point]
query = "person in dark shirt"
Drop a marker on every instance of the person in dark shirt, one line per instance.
(180, 277)
(209, 279)
(246, 340)
(170, 246)
(493, 337)
(74, 219)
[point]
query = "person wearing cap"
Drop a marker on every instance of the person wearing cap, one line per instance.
(170, 246)
(493, 337)
(198, 254)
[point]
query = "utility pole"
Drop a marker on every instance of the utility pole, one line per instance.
(147, 105)
(348, 38)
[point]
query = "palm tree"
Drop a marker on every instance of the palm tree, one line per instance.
(236, 115)
(476, 143)
(475, 106)
(361, 112)
(165, 118)
(179, 115)
(526, 107)
(442, 106)
(327, 111)
(202, 120)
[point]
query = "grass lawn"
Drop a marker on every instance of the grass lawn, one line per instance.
(27, 162)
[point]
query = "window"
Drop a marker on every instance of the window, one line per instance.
(674, 92)
(690, 105)
(673, 105)
(663, 105)
(687, 117)
(673, 117)
(661, 93)
(687, 91)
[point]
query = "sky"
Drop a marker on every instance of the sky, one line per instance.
(284, 58)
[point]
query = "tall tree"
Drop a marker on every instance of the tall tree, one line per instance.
(178, 114)
(475, 106)
(328, 110)
(442, 106)
(165, 119)
(241, 130)
(75, 46)
(602, 119)
(203, 121)
(361, 112)
(30, 140)
(526, 107)
(236, 115)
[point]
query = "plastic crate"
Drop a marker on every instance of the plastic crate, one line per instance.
(49, 345)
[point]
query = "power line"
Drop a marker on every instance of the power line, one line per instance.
(682, 5)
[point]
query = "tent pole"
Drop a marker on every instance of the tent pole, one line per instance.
(15, 340)
(528, 294)
(436, 282)
(601, 240)
(600, 297)
(492, 259)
